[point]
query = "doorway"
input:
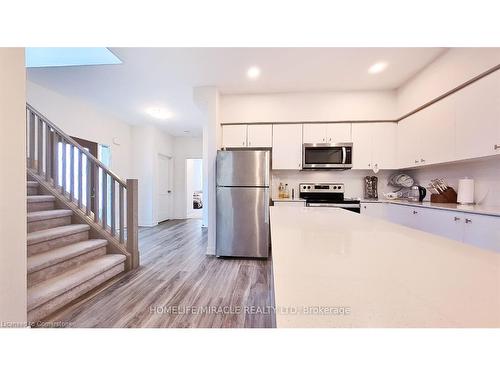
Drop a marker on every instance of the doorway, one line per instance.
(194, 188)
(164, 188)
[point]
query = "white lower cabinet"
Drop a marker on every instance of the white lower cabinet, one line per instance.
(474, 229)
(377, 210)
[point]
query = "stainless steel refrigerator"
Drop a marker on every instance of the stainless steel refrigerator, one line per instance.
(242, 227)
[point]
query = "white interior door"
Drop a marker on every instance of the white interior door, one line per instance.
(164, 187)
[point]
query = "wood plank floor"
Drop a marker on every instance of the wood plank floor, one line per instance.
(177, 285)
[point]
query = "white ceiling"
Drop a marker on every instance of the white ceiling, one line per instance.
(166, 77)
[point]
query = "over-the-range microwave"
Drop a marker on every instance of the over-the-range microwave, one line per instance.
(327, 156)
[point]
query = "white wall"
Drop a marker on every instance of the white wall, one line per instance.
(184, 148)
(82, 120)
(148, 143)
(320, 106)
(448, 71)
(13, 187)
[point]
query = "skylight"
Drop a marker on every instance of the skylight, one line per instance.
(68, 56)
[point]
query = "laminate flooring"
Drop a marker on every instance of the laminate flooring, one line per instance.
(179, 286)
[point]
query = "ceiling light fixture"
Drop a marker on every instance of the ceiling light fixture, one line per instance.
(253, 72)
(159, 113)
(377, 67)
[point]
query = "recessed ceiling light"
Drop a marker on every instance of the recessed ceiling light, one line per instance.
(377, 67)
(253, 72)
(159, 113)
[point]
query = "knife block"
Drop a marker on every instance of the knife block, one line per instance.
(447, 196)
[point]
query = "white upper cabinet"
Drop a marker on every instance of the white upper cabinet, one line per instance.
(287, 146)
(234, 136)
(327, 133)
(409, 137)
(338, 133)
(260, 136)
(374, 145)
(478, 118)
(437, 141)
(247, 136)
(314, 133)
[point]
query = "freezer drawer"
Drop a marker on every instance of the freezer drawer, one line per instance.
(243, 168)
(242, 222)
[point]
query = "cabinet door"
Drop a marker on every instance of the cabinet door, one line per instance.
(260, 136)
(362, 146)
(338, 133)
(478, 118)
(383, 145)
(287, 146)
(401, 214)
(441, 222)
(376, 210)
(314, 133)
(408, 141)
(234, 136)
(482, 231)
(438, 132)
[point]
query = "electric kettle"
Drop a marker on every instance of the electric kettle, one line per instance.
(417, 193)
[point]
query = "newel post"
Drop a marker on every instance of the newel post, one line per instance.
(132, 221)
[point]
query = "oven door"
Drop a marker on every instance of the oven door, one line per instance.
(327, 156)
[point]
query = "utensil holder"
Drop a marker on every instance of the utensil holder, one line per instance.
(447, 196)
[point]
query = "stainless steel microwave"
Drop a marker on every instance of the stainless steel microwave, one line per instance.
(327, 156)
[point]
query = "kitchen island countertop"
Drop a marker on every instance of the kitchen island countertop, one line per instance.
(335, 268)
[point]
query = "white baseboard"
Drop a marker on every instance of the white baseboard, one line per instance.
(148, 225)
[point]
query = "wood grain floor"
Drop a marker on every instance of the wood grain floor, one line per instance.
(177, 285)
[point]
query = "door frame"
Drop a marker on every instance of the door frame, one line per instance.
(170, 210)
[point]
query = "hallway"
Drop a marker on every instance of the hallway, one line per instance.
(169, 289)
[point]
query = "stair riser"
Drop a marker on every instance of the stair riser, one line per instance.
(55, 270)
(57, 242)
(32, 191)
(49, 223)
(40, 206)
(51, 306)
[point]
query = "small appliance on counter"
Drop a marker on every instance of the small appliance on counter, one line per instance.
(328, 195)
(442, 192)
(417, 193)
(371, 187)
(465, 191)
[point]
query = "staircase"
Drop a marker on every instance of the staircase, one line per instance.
(72, 249)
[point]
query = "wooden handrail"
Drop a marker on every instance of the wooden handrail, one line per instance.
(69, 140)
(43, 157)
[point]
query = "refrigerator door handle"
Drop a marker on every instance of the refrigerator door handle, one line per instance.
(344, 155)
(266, 206)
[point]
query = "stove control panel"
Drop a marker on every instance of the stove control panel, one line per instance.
(321, 188)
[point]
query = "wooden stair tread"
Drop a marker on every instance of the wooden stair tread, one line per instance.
(57, 232)
(49, 258)
(32, 184)
(54, 287)
(40, 198)
(48, 214)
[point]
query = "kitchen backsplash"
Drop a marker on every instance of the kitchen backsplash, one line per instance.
(486, 175)
(353, 180)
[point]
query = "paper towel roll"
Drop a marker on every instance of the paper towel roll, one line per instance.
(465, 191)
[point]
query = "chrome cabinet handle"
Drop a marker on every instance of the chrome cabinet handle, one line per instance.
(497, 147)
(416, 161)
(468, 221)
(415, 212)
(456, 218)
(422, 160)
(369, 165)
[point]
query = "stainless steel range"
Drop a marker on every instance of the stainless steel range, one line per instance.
(328, 195)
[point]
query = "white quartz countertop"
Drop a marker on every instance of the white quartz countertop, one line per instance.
(296, 199)
(473, 208)
(335, 268)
